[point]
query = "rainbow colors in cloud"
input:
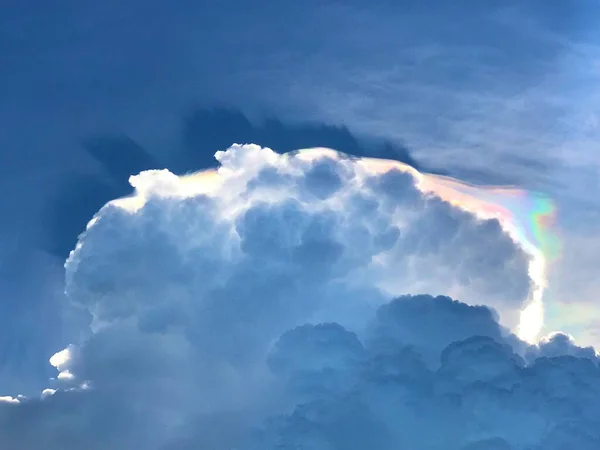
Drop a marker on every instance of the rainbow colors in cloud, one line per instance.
(528, 217)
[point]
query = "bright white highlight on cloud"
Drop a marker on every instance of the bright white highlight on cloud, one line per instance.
(61, 359)
(263, 306)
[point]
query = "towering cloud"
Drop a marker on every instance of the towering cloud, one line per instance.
(267, 305)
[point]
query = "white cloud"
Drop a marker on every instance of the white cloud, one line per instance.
(196, 288)
(61, 359)
(48, 392)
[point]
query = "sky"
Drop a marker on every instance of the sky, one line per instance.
(500, 93)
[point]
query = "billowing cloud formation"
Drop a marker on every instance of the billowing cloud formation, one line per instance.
(250, 308)
(481, 396)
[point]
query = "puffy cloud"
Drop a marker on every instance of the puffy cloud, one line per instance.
(250, 308)
(482, 396)
(409, 321)
(560, 344)
(309, 358)
(270, 215)
(8, 399)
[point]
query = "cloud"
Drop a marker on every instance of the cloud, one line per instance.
(250, 308)
(410, 323)
(561, 344)
(482, 395)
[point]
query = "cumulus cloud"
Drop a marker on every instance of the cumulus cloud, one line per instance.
(274, 304)
(482, 395)
(560, 344)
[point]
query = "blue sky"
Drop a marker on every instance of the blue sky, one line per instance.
(499, 92)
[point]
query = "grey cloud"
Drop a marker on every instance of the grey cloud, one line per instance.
(482, 396)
